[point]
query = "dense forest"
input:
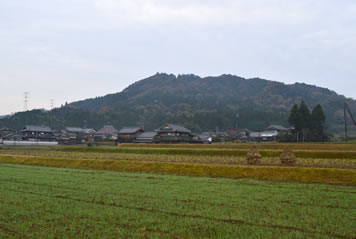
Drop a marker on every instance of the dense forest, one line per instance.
(200, 104)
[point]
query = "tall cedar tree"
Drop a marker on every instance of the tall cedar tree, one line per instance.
(318, 123)
(304, 116)
(294, 118)
(309, 126)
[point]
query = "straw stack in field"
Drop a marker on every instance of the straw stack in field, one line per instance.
(287, 157)
(253, 157)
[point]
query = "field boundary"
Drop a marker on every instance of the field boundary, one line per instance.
(295, 174)
(267, 146)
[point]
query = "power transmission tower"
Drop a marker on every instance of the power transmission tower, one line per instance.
(25, 102)
(52, 104)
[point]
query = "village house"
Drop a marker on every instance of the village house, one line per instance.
(205, 138)
(129, 134)
(9, 134)
(108, 132)
(37, 133)
(146, 137)
(5, 131)
(277, 128)
(15, 136)
(220, 136)
(64, 137)
(172, 133)
(264, 136)
(79, 135)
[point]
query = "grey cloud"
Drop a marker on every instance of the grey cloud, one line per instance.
(53, 48)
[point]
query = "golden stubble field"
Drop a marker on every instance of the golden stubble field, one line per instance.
(315, 163)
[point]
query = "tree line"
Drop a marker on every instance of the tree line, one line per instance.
(308, 126)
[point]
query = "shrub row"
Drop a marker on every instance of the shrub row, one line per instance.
(308, 175)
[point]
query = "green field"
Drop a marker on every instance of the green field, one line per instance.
(44, 202)
(177, 191)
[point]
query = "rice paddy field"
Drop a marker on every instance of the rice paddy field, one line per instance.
(177, 191)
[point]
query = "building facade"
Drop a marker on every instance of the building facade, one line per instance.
(129, 134)
(172, 133)
(37, 133)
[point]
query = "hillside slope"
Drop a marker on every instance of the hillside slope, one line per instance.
(199, 103)
(207, 103)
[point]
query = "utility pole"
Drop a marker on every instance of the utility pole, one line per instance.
(345, 121)
(347, 110)
(237, 124)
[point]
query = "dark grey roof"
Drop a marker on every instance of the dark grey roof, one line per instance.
(79, 130)
(276, 127)
(74, 129)
(129, 130)
(36, 128)
(12, 135)
(147, 135)
(107, 129)
(65, 133)
(173, 128)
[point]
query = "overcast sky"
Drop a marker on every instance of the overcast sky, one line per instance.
(69, 50)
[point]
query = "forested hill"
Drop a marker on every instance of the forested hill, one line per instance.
(197, 103)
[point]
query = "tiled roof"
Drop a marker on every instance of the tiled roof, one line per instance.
(173, 128)
(12, 135)
(129, 130)
(107, 129)
(147, 135)
(277, 127)
(36, 128)
(79, 130)
(74, 129)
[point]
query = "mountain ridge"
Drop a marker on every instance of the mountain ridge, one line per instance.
(202, 103)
